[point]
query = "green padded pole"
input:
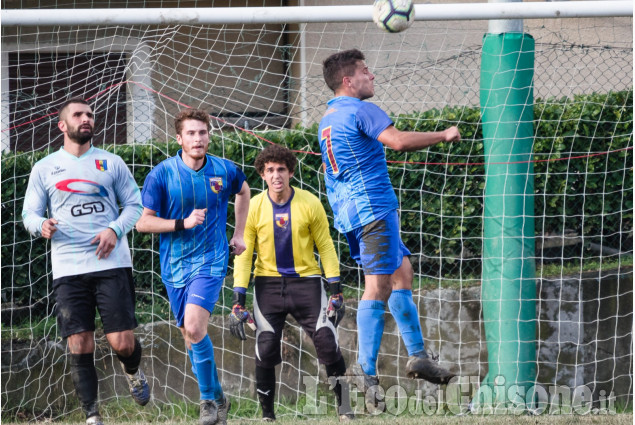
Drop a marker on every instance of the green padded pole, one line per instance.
(508, 286)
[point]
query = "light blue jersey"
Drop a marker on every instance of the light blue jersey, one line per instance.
(173, 190)
(84, 195)
(357, 182)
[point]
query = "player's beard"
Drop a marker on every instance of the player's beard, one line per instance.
(80, 135)
(195, 154)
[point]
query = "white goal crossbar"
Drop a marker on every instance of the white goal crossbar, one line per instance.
(312, 14)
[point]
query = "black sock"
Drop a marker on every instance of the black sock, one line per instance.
(335, 373)
(266, 388)
(84, 376)
(131, 363)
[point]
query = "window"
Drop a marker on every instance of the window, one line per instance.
(40, 82)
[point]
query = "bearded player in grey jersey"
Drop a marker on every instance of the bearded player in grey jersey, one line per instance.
(73, 199)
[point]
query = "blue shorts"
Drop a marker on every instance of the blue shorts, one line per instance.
(377, 246)
(201, 290)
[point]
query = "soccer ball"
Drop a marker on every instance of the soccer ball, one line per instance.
(393, 15)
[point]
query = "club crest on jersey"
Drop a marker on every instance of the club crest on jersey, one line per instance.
(216, 183)
(101, 164)
(282, 220)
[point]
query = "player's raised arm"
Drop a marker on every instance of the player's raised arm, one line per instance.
(408, 141)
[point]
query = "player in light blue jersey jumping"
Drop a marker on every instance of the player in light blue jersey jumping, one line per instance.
(352, 137)
(185, 199)
(82, 188)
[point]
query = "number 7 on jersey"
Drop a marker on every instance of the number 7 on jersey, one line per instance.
(326, 137)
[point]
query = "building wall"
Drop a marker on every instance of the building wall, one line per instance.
(268, 76)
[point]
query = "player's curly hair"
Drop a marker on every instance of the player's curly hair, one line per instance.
(191, 114)
(278, 154)
(340, 65)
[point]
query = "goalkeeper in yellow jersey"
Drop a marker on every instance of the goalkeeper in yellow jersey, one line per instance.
(283, 226)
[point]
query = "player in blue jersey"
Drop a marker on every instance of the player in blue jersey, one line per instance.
(82, 188)
(284, 225)
(352, 135)
(185, 199)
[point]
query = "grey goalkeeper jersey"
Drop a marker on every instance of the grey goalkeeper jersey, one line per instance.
(84, 195)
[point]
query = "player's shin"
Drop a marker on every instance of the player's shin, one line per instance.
(131, 363)
(266, 389)
(205, 367)
(404, 310)
(84, 376)
(370, 329)
(337, 382)
(190, 353)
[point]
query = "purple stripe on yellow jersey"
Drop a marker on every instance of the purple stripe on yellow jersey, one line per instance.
(283, 240)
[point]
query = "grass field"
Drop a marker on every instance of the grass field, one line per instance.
(619, 419)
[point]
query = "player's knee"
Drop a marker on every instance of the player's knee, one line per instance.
(124, 349)
(123, 343)
(81, 343)
(402, 277)
(325, 342)
(268, 354)
(194, 333)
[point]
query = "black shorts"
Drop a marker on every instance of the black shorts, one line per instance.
(305, 299)
(110, 291)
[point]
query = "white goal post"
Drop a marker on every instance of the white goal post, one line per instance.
(314, 14)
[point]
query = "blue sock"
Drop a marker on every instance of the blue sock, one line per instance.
(404, 310)
(370, 329)
(205, 369)
(191, 355)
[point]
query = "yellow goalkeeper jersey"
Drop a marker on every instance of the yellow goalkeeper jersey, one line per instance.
(284, 237)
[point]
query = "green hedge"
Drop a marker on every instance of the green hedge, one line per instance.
(440, 190)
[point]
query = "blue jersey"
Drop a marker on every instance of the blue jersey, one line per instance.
(174, 190)
(357, 182)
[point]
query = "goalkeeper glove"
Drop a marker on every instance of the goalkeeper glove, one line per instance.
(336, 308)
(239, 316)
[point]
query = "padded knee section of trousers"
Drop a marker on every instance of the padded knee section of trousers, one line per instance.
(325, 341)
(268, 350)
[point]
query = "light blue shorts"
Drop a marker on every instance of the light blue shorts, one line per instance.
(200, 290)
(377, 246)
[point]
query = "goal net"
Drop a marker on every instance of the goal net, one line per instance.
(262, 83)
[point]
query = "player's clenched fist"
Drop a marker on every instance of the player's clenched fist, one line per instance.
(48, 228)
(452, 134)
(197, 217)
